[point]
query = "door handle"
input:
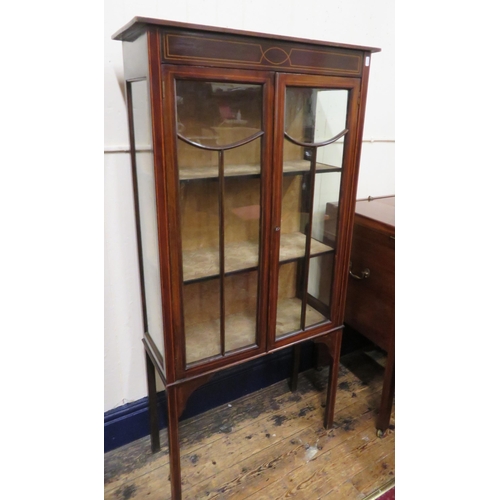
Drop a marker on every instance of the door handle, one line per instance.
(365, 273)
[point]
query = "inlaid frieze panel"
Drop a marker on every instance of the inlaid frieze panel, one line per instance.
(208, 49)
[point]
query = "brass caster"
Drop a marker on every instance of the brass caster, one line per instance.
(380, 433)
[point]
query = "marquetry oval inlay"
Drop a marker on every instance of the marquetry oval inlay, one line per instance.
(276, 55)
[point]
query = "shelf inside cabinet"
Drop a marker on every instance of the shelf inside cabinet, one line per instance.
(243, 256)
(288, 316)
(212, 172)
(203, 339)
(291, 167)
(293, 245)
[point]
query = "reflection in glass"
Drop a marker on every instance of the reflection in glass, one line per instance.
(289, 305)
(144, 170)
(212, 113)
(241, 310)
(320, 279)
(315, 115)
(315, 126)
(242, 223)
(202, 319)
(219, 129)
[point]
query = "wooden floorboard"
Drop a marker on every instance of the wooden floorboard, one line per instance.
(271, 444)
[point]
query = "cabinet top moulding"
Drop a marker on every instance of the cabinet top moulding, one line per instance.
(184, 43)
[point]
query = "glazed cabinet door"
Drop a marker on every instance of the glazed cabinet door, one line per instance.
(219, 130)
(315, 126)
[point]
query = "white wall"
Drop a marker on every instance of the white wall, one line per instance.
(362, 22)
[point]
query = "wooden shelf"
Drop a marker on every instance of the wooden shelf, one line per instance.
(304, 166)
(288, 316)
(212, 172)
(244, 256)
(203, 339)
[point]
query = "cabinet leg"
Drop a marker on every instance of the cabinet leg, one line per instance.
(334, 351)
(384, 415)
(295, 369)
(154, 427)
(173, 441)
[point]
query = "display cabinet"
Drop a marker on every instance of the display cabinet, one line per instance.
(239, 140)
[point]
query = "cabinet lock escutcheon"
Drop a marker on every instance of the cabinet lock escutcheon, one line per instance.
(365, 273)
(277, 228)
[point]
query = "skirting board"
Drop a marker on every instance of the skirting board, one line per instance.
(129, 422)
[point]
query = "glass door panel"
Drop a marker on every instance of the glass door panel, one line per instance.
(201, 301)
(314, 128)
(219, 135)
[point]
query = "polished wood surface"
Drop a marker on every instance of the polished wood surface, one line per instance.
(370, 306)
(234, 51)
(377, 213)
(370, 302)
(236, 288)
(139, 25)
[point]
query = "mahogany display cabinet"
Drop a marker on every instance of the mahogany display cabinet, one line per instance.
(238, 142)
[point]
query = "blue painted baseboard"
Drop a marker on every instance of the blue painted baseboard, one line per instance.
(130, 422)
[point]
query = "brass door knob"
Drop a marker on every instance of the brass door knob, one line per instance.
(365, 273)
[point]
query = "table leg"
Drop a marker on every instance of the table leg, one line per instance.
(173, 441)
(334, 351)
(154, 426)
(387, 393)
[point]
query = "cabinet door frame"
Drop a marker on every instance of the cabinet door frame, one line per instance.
(175, 339)
(349, 169)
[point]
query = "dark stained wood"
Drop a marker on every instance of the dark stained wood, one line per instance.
(170, 73)
(348, 179)
(222, 260)
(242, 51)
(377, 213)
(176, 341)
(388, 391)
(160, 369)
(173, 411)
(157, 124)
(370, 306)
(138, 25)
(333, 343)
(347, 198)
(206, 54)
(152, 405)
(266, 193)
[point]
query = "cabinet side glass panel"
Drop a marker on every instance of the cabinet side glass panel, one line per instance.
(219, 126)
(320, 276)
(146, 194)
(315, 121)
